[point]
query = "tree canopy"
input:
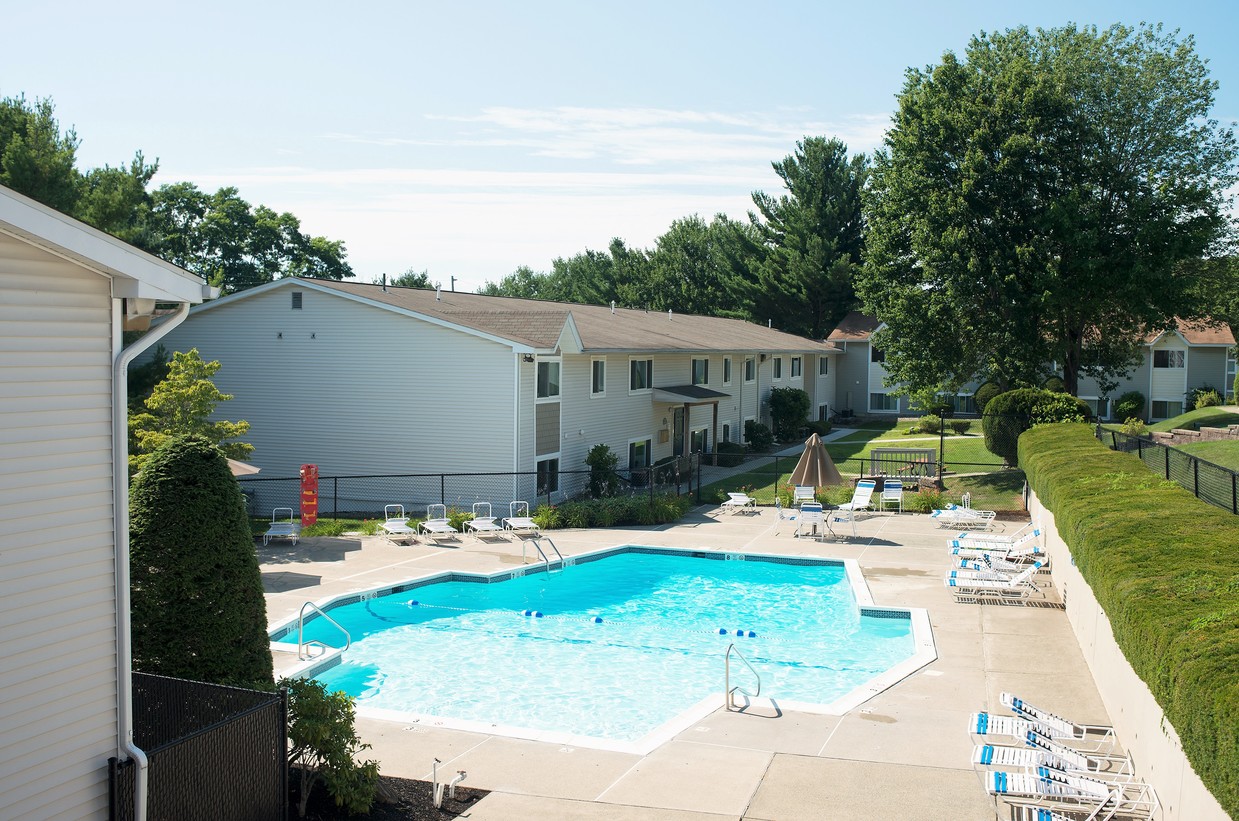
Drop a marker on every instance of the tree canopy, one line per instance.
(1033, 201)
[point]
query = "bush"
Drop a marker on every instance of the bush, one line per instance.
(1010, 414)
(197, 600)
(1128, 405)
(1055, 385)
(960, 426)
(788, 409)
(1163, 567)
(821, 427)
(929, 423)
(1135, 426)
(758, 436)
(637, 509)
(924, 501)
(1203, 397)
(323, 743)
(1060, 407)
(603, 464)
(729, 454)
(985, 393)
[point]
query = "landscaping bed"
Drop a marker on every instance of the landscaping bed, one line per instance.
(411, 801)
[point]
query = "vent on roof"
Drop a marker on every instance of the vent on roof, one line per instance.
(668, 314)
(296, 300)
(438, 293)
(613, 306)
(384, 283)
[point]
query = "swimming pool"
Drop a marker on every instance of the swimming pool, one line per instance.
(614, 647)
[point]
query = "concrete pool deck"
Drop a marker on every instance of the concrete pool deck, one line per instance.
(905, 753)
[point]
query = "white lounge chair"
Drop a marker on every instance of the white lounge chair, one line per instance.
(958, 516)
(483, 523)
(811, 520)
(436, 525)
(395, 526)
(996, 538)
(737, 502)
(1019, 586)
(892, 494)
(283, 526)
(519, 520)
(1056, 726)
(982, 545)
(862, 496)
(1000, 564)
(1127, 798)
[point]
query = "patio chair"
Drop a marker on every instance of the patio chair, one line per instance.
(1015, 588)
(803, 493)
(811, 521)
(518, 519)
(997, 538)
(436, 526)
(395, 526)
(892, 494)
(1001, 564)
(961, 517)
(283, 526)
(482, 522)
(1128, 798)
(1057, 726)
(862, 496)
(993, 545)
(740, 502)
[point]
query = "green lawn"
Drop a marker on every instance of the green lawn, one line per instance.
(1202, 417)
(1225, 454)
(962, 454)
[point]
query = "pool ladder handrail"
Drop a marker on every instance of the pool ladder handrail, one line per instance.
(728, 690)
(302, 644)
(537, 544)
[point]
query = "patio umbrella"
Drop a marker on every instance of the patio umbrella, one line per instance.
(241, 468)
(815, 468)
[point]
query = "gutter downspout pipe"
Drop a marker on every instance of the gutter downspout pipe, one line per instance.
(120, 502)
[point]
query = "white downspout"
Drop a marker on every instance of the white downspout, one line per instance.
(120, 501)
(516, 426)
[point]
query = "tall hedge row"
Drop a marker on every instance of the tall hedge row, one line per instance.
(1165, 568)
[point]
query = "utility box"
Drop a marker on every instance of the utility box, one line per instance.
(309, 494)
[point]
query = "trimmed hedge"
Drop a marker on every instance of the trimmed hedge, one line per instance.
(637, 509)
(1165, 569)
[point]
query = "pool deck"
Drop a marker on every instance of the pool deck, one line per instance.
(904, 753)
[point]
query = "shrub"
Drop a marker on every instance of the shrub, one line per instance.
(960, 426)
(758, 436)
(924, 501)
(929, 423)
(1135, 426)
(1128, 405)
(788, 409)
(1010, 414)
(638, 509)
(729, 454)
(1060, 407)
(323, 743)
(197, 600)
(1162, 566)
(603, 479)
(1203, 397)
(985, 393)
(821, 427)
(1055, 385)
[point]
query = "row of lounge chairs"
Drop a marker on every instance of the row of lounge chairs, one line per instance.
(991, 566)
(437, 525)
(1056, 769)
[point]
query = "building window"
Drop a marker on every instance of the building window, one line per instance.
(296, 300)
(796, 367)
(640, 374)
(744, 426)
(726, 370)
(823, 413)
(1099, 407)
(778, 367)
(1162, 409)
(876, 355)
(697, 441)
(883, 402)
(701, 371)
(639, 454)
(823, 366)
(726, 432)
(750, 369)
(1168, 359)
(548, 380)
(548, 476)
(959, 403)
(598, 377)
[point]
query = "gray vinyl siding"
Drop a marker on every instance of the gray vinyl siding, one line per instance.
(547, 435)
(1207, 366)
(357, 389)
(58, 718)
(853, 378)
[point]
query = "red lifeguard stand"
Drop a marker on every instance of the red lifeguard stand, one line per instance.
(309, 494)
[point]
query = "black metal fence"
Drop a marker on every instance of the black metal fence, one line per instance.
(1212, 483)
(214, 752)
(363, 497)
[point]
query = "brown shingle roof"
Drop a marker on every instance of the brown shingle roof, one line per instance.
(1198, 333)
(538, 323)
(854, 327)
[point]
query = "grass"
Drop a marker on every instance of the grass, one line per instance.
(1225, 454)
(1003, 490)
(324, 527)
(1201, 417)
(965, 454)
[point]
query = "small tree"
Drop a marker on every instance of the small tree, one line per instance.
(985, 393)
(198, 610)
(182, 404)
(1130, 404)
(788, 409)
(758, 436)
(322, 745)
(1010, 414)
(603, 479)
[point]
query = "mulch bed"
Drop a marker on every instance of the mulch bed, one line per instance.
(413, 801)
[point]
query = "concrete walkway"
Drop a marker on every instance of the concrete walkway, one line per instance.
(904, 754)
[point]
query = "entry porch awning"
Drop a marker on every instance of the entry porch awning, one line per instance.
(688, 395)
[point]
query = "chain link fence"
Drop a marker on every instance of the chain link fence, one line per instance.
(1211, 483)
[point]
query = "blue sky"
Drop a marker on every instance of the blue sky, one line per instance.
(470, 138)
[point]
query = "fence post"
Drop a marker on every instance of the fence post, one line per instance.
(1166, 451)
(1196, 477)
(443, 489)
(1234, 493)
(335, 497)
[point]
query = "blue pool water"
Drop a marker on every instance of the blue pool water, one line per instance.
(625, 643)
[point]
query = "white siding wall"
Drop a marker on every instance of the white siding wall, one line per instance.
(57, 574)
(360, 390)
(1169, 384)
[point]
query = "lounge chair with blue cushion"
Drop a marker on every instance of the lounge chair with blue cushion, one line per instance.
(998, 539)
(1056, 726)
(1015, 588)
(436, 525)
(1105, 798)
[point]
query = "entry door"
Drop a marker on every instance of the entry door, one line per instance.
(677, 431)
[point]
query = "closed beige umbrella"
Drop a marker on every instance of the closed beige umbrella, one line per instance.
(241, 468)
(815, 468)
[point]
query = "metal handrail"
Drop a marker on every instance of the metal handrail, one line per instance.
(537, 543)
(302, 644)
(727, 688)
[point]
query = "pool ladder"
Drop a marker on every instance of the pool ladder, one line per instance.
(303, 647)
(537, 544)
(728, 690)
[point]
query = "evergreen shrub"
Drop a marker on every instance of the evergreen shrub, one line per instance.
(1128, 405)
(758, 436)
(985, 393)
